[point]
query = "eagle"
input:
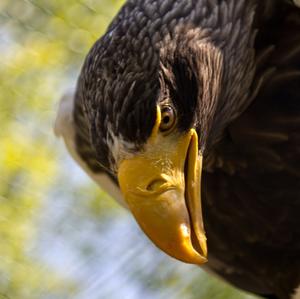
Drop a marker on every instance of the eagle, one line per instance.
(188, 113)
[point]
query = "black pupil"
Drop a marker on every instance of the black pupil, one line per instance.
(166, 119)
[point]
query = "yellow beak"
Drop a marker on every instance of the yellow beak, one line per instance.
(162, 188)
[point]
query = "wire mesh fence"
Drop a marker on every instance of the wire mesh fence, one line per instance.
(61, 236)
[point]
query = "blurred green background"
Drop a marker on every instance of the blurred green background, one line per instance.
(60, 235)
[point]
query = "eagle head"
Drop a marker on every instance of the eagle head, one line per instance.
(149, 89)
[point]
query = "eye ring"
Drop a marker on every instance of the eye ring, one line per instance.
(168, 118)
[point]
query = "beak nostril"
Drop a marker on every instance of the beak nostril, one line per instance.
(156, 184)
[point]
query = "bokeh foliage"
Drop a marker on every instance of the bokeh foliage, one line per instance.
(42, 46)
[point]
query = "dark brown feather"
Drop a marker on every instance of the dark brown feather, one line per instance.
(261, 200)
(241, 91)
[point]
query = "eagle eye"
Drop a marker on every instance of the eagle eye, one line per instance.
(168, 118)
